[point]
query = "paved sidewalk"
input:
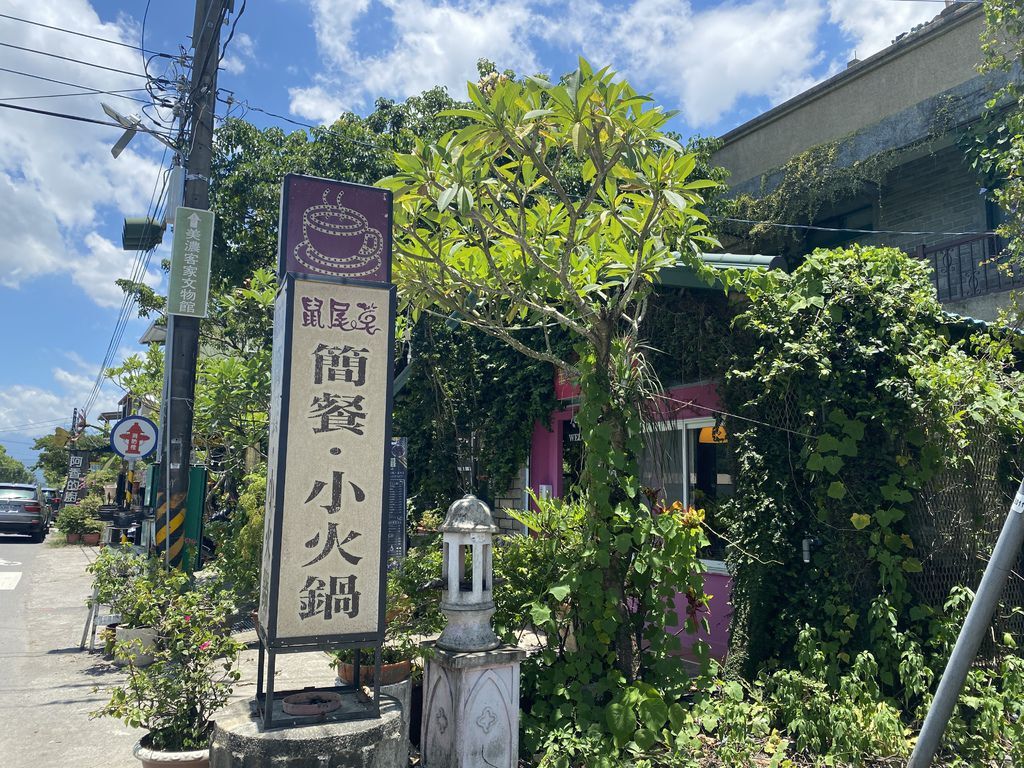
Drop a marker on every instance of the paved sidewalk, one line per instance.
(49, 687)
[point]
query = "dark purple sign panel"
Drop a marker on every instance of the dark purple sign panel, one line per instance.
(335, 229)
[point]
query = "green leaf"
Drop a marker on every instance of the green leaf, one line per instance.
(734, 691)
(560, 591)
(533, 114)
(540, 614)
(676, 200)
(621, 722)
(653, 712)
(836, 490)
(912, 565)
(671, 144)
(833, 464)
(854, 429)
(645, 739)
(860, 521)
(445, 198)
(815, 463)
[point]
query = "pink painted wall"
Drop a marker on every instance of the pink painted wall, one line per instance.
(718, 586)
(686, 402)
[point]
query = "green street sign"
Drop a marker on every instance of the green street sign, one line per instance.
(189, 290)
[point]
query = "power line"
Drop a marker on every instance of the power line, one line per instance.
(984, 233)
(67, 83)
(63, 115)
(30, 425)
(87, 92)
(78, 34)
(77, 118)
(231, 34)
(74, 61)
(142, 259)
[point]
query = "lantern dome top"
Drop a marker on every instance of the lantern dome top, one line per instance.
(468, 515)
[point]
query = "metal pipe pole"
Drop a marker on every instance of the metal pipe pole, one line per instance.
(183, 332)
(979, 617)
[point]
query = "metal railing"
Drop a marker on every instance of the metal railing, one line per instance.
(971, 266)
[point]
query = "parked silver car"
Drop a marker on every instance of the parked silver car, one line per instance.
(23, 510)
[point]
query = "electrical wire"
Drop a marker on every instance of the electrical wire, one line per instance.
(81, 34)
(142, 260)
(32, 425)
(89, 88)
(919, 233)
(63, 115)
(88, 92)
(73, 60)
(983, 233)
(231, 34)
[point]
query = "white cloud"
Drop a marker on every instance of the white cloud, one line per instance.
(28, 412)
(436, 43)
(317, 103)
(871, 25)
(103, 263)
(706, 59)
(58, 181)
(240, 52)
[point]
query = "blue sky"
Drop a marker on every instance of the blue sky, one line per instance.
(63, 197)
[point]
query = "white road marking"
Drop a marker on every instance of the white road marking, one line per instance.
(10, 579)
(8, 563)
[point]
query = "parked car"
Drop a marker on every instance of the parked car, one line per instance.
(52, 498)
(23, 510)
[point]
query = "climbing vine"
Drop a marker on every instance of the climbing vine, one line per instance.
(471, 402)
(846, 398)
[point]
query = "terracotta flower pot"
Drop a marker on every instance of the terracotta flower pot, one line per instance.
(91, 539)
(74, 538)
(389, 673)
(151, 758)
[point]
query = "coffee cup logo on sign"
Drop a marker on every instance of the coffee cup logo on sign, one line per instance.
(339, 240)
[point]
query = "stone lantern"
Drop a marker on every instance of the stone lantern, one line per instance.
(467, 569)
(471, 681)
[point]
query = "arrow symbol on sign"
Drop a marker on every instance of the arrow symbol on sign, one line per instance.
(193, 220)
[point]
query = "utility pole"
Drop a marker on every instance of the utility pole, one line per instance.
(183, 332)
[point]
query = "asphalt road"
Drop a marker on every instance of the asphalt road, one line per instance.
(47, 684)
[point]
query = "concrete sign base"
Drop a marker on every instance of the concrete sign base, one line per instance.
(239, 742)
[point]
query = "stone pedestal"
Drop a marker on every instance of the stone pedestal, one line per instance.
(239, 742)
(471, 709)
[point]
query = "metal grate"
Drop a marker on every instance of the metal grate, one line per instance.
(971, 267)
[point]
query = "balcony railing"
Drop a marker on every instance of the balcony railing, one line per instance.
(972, 266)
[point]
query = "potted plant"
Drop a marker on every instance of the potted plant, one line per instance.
(137, 589)
(412, 615)
(71, 522)
(92, 529)
(191, 677)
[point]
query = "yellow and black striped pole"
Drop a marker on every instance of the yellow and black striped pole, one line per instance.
(170, 529)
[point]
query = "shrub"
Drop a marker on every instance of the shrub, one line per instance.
(72, 520)
(190, 678)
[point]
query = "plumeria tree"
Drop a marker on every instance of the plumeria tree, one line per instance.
(555, 207)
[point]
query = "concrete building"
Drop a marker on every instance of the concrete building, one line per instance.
(900, 114)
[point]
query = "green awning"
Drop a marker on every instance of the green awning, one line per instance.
(684, 277)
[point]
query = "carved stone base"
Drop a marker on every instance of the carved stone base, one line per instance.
(471, 709)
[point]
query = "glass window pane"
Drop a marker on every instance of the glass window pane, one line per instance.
(661, 464)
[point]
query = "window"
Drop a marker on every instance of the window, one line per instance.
(688, 461)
